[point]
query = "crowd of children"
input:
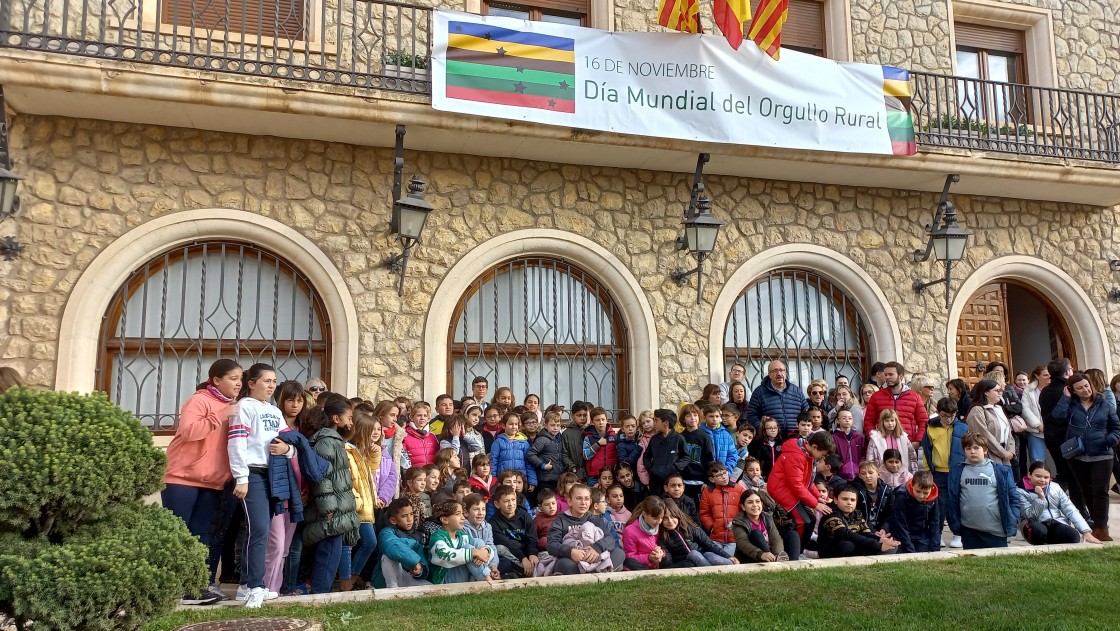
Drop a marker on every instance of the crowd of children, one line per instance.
(339, 491)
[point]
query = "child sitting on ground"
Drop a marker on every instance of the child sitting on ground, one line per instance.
(975, 487)
(514, 535)
(455, 556)
(874, 496)
(845, 533)
(515, 479)
(719, 503)
(1049, 516)
(475, 524)
(547, 510)
(703, 551)
(915, 518)
(756, 537)
(639, 537)
(403, 563)
(894, 474)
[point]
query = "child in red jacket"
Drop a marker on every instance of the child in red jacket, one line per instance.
(791, 481)
(719, 504)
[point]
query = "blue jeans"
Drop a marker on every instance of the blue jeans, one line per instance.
(327, 555)
(258, 517)
(194, 505)
(291, 565)
(1036, 448)
(365, 548)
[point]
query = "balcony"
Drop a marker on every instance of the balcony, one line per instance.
(350, 70)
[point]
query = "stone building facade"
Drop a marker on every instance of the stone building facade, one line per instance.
(108, 188)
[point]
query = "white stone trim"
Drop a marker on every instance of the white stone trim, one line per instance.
(1036, 23)
(81, 319)
(883, 333)
(1073, 304)
(611, 272)
(838, 30)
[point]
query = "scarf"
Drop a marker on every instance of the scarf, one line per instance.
(649, 530)
(217, 394)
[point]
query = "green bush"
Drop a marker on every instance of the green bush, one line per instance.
(114, 574)
(79, 549)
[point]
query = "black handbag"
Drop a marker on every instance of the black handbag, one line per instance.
(1073, 448)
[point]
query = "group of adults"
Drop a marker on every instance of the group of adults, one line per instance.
(1052, 411)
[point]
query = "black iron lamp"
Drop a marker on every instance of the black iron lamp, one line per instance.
(947, 241)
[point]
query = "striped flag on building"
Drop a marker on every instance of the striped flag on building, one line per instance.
(729, 16)
(766, 30)
(900, 122)
(490, 64)
(680, 15)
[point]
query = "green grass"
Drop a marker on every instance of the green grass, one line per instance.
(1078, 591)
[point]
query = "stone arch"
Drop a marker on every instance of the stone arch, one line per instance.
(1071, 301)
(624, 288)
(78, 334)
(841, 271)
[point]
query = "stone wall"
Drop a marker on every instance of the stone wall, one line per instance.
(89, 182)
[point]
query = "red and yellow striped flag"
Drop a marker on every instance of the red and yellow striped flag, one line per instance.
(729, 16)
(766, 30)
(680, 15)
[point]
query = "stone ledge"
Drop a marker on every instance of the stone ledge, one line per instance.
(589, 579)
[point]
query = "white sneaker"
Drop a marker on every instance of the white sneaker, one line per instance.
(955, 542)
(216, 589)
(256, 598)
(244, 592)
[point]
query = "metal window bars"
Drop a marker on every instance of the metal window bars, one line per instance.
(184, 309)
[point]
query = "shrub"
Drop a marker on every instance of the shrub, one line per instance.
(79, 549)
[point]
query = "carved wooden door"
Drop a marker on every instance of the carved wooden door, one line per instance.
(983, 332)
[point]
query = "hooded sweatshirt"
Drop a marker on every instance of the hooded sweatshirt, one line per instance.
(915, 523)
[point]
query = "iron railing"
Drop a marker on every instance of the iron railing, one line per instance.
(367, 44)
(1015, 118)
(387, 45)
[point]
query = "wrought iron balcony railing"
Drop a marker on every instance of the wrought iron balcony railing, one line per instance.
(386, 45)
(368, 44)
(1015, 118)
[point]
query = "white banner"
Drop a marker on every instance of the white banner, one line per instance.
(668, 85)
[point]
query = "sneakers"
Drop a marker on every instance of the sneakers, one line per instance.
(216, 589)
(955, 542)
(244, 593)
(782, 556)
(205, 598)
(256, 598)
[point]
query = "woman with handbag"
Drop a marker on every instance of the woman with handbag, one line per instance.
(1012, 405)
(987, 418)
(1091, 439)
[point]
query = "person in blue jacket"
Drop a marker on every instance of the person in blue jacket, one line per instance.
(403, 562)
(982, 502)
(777, 398)
(1089, 417)
(942, 449)
(723, 443)
(915, 518)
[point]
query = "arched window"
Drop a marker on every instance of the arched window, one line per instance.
(540, 326)
(800, 318)
(187, 307)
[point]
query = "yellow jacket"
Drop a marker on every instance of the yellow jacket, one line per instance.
(365, 493)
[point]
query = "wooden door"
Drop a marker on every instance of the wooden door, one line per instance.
(982, 334)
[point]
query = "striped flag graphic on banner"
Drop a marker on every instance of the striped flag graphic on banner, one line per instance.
(503, 66)
(900, 123)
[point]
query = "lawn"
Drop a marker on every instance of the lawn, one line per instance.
(1070, 590)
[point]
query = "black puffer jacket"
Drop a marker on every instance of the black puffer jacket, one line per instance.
(1098, 427)
(332, 509)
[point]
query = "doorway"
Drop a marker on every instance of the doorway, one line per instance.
(1012, 323)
